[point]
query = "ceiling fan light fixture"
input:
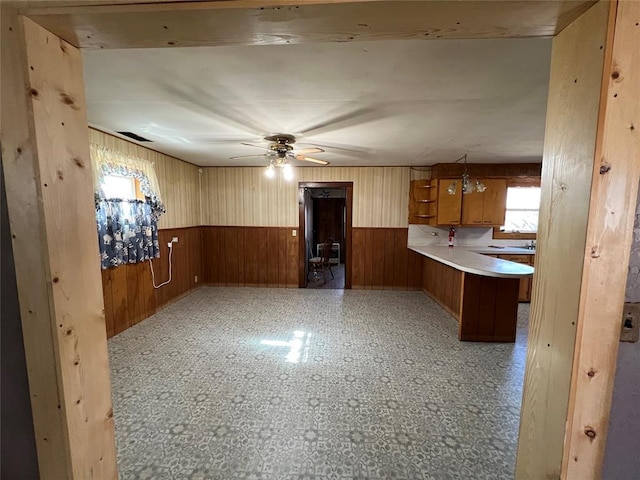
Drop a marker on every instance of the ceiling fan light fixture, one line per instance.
(270, 172)
(287, 172)
(281, 150)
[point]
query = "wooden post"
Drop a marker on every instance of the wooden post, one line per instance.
(591, 171)
(614, 190)
(569, 151)
(50, 198)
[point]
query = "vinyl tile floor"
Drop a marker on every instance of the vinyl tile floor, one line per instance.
(249, 383)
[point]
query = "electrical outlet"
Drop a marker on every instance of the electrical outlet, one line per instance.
(630, 329)
(169, 244)
(294, 232)
(195, 278)
(174, 240)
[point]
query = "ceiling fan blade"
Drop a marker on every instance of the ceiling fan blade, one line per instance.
(248, 156)
(261, 147)
(349, 119)
(304, 151)
(350, 150)
(309, 159)
(224, 105)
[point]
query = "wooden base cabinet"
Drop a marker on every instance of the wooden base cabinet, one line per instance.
(486, 307)
(524, 292)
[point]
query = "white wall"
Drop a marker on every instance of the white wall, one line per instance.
(622, 457)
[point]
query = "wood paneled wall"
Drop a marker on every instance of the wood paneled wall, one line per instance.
(244, 196)
(487, 170)
(179, 181)
(382, 261)
(249, 242)
(268, 257)
(250, 256)
(129, 295)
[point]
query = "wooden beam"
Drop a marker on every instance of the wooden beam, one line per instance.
(49, 194)
(255, 23)
(569, 151)
(614, 190)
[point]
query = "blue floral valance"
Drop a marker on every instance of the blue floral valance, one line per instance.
(127, 228)
(127, 232)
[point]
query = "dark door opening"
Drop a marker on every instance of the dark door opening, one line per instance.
(325, 213)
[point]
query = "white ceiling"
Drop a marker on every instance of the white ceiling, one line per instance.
(395, 102)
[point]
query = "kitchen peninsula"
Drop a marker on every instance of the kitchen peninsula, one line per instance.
(480, 291)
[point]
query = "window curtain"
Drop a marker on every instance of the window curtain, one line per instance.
(127, 229)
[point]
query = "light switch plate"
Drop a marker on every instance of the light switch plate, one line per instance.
(630, 328)
(294, 232)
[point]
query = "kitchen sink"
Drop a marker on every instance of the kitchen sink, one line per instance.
(499, 247)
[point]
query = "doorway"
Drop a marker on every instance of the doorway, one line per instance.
(325, 213)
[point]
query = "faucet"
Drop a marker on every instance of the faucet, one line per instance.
(532, 245)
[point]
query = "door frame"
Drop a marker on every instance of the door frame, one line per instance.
(302, 257)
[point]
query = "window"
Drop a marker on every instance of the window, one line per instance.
(522, 210)
(125, 188)
(521, 218)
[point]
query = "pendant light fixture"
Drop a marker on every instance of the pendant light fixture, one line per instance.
(469, 185)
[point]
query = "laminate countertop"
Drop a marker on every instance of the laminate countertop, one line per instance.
(472, 260)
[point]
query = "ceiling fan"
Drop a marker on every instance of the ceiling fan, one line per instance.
(281, 150)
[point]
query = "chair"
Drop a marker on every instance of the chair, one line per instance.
(322, 262)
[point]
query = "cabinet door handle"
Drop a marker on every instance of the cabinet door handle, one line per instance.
(477, 221)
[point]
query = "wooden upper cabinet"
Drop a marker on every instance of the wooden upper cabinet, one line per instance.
(487, 208)
(449, 207)
(473, 208)
(495, 202)
(430, 203)
(422, 202)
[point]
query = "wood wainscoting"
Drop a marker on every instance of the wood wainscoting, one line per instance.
(247, 257)
(250, 256)
(129, 296)
(382, 261)
(268, 257)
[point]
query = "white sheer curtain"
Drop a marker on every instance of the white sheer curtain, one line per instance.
(105, 161)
